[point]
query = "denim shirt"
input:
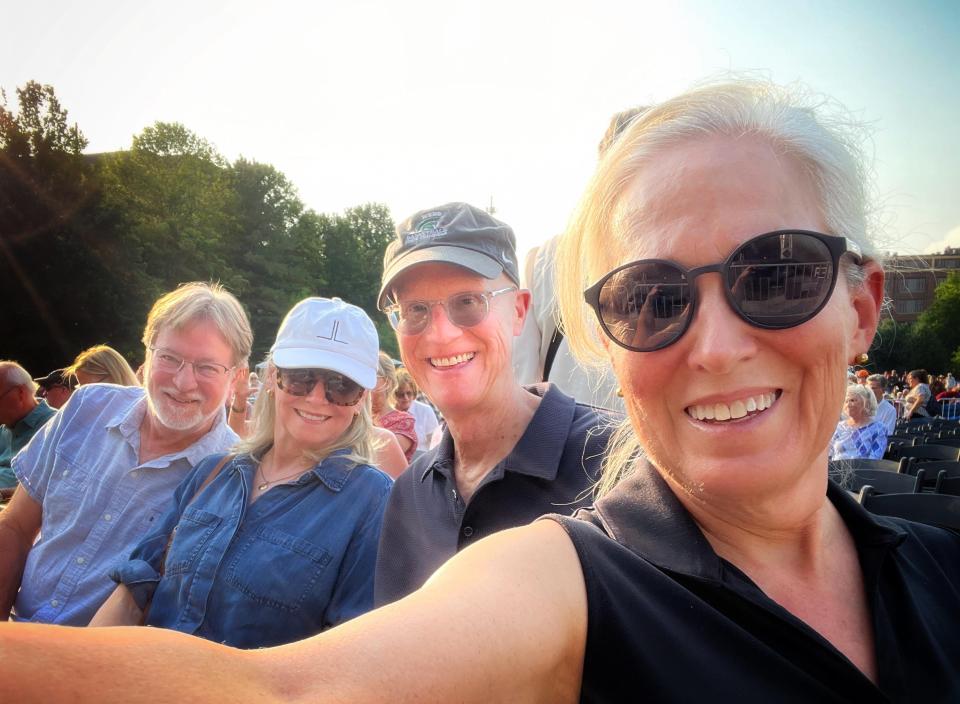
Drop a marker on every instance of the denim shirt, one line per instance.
(298, 560)
(97, 499)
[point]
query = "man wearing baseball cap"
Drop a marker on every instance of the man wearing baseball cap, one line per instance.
(509, 453)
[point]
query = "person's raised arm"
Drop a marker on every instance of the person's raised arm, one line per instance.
(19, 526)
(504, 620)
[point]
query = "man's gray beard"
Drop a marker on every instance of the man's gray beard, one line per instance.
(178, 421)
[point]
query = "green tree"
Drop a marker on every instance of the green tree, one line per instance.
(353, 246)
(46, 197)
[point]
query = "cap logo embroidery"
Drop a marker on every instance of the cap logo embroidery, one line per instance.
(333, 334)
(426, 230)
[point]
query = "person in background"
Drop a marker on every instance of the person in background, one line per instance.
(55, 388)
(427, 424)
(102, 364)
(400, 423)
(102, 470)
(22, 414)
(886, 413)
(861, 375)
(279, 541)
(859, 435)
(540, 351)
(916, 399)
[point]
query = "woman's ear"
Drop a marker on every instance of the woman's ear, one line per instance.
(867, 300)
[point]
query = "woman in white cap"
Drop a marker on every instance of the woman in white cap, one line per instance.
(278, 541)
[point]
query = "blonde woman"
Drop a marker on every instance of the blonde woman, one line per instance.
(279, 541)
(400, 423)
(102, 364)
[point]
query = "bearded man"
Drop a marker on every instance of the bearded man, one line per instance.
(99, 473)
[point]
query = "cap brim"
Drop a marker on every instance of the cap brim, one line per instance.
(301, 358)
(478, 263)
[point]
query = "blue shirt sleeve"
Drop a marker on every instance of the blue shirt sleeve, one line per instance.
(353, 593)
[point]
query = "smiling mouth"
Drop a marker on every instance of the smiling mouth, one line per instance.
(182, 401)
(735, 410)
(441, 362)
(312, 417)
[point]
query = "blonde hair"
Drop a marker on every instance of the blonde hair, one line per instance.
(202, 301)
(866, 395)
(388, 373)
(404, 379)
(105, 362)
(357, 438)
(828, 148)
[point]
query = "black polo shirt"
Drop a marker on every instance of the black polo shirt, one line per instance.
(551, 469)
(669, 620)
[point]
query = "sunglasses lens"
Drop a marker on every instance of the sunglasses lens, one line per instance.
(645, 306)
(338, 389)
(297, 382)
(412, 318)
(341, 390)
(781, 280)
(466, 309)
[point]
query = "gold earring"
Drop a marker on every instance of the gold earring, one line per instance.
(619, 392)
(862, 358)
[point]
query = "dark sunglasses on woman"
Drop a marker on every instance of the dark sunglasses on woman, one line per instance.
(774, 281)
(337, 388)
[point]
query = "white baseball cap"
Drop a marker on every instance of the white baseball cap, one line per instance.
(327, 333)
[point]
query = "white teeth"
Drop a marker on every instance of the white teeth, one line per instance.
(736, 409)
(450, 361)
(310, 416)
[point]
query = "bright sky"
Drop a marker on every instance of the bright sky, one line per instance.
(420, 102)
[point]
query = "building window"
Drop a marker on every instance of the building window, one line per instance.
(909, 306)
(915, 285)
(950, 263)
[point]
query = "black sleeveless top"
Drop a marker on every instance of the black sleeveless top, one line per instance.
(670, 621)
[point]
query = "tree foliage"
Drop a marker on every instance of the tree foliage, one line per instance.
(87, 243)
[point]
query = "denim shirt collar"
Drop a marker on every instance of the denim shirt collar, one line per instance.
(664, 533)
(537, 452)
(333, 471)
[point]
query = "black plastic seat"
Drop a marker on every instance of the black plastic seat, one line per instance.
(929, 452)
(839, 467)
(883, 482)
(933, 509)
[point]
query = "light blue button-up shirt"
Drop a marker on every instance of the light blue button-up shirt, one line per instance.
(98, 500)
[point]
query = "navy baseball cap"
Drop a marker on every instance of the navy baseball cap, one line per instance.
(455, 233)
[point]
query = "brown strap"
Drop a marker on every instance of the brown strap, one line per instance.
(163, 558)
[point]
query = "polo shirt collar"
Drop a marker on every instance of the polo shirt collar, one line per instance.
(37, 416)
(644, 515)
(537, 452)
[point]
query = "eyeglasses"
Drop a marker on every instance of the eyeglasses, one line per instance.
(773, 281)
(167, 361)
(337, 388)
(463, 310)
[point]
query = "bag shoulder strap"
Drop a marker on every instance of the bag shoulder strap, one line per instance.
(551, 353)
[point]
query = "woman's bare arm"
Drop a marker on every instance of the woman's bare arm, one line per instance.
(120, 609)
(504, 621)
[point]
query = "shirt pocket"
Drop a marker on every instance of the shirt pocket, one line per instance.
(277, 569)
(190, 537)
(65, 490)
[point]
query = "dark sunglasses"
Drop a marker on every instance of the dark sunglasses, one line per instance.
(773, 281)
(337, 388)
